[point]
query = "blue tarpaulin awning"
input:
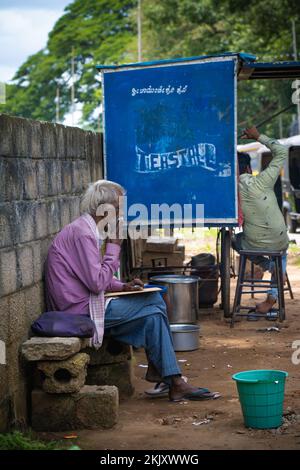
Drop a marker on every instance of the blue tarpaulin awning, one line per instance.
(269, 70)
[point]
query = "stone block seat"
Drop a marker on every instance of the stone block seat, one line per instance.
(76, 386)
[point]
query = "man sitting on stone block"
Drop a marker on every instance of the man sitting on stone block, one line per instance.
(80, 268)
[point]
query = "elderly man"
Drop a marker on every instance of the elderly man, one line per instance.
(264, 227)
(77, 275)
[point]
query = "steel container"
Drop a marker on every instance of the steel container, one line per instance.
(185, 337)
(183, 295)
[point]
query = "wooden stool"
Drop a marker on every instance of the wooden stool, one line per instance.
(288, 287)
(258, 285)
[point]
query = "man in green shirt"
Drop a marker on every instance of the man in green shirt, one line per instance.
(264, 226)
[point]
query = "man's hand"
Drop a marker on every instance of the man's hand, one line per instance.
(250, 133)
(134, 285)
(117, 241)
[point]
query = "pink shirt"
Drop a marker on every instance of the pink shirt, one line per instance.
(74, 268)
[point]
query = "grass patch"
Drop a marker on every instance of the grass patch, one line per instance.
(294, 254)
(19, 441)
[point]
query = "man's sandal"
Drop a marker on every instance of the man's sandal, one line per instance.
(198, 395)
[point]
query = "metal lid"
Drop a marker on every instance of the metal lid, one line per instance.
(175, 278)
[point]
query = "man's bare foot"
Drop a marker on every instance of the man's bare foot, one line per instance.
(258, 274)
(266, 306)
(180, 390)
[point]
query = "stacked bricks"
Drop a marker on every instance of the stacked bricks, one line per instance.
(112, 364)
(44, 169)
(60, 399)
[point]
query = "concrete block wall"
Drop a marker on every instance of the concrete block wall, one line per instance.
(44, 168)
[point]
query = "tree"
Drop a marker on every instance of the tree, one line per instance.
(177, 28)
(104, 31)
(94, 31)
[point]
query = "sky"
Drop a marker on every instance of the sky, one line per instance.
(24, 28)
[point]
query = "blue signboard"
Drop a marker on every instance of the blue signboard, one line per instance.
(170, 135)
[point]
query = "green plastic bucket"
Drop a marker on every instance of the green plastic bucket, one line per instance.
(261, 394)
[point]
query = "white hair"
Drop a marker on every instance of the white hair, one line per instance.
(101, 192)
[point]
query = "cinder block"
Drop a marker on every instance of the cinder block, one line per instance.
(25, 265)
(50, 349)
(90, 408)
(6, 233)
(40, 216)
(23, 221)
(120, 374)
(65, 376)
(8, 272)
(53, 216)
(21, 137)
(49, 140)
(111, 351)
(29, 179)
(36, 140)
(64, 209)
(18, 387)
(98, 170)
(38, 265)
(85, 177)
(76, 139)
(57, 183)
(42, 182)
(74, 207)
(18, 330)
(61, 140)
(66, 177)
(34, 303)
(15, 136)
(76, 176)
(6, 132)
(53, 177)
(45, 244)
(5, 407)
(11, 187)
(4, 319)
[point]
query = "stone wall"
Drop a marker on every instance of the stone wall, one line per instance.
(44, 169)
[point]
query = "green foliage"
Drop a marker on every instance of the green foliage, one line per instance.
(104, 31)
(262, 27)
(19, 441)
(93, 31)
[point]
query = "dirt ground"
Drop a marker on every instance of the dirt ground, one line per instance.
(146, 423)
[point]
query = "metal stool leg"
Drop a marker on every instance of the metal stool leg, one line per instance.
(279, 275)
(289, 287)
(252, 277)
(238, 291)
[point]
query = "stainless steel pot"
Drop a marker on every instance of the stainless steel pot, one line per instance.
(183, 294)
(185, 337)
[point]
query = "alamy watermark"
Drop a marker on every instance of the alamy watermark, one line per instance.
(296, 353)
(121, 221)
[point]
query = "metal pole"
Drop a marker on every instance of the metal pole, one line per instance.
(139, 26)
(280, 127)
(295, 58)
(57, 104)
(72, 86)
